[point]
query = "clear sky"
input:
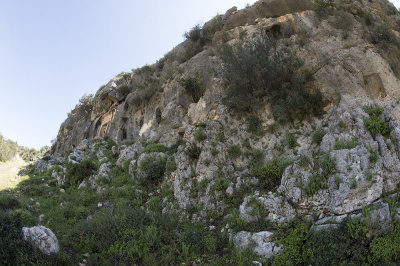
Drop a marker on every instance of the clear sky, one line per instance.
(53, 52)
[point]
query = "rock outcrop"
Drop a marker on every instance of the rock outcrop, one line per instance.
(333, 164)
(42, 238)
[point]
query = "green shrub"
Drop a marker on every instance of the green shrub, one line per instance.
(385, 250)
(356, 228)
(8, 202)
(234, 151)
(194, 86)
(155, 147)
(271, 173)
(153, 167)
(199, 135)
(319, 180)
(221, 183)
(373, 157)
(254, 125)
(295, 253)
(388, 44)
(291, 140)
(171, 164)
(375, 123)
(76, 173)
(193, 152)
(124, 90)
(342, 144)
(256, 70)
(318, 136)
(324, 7)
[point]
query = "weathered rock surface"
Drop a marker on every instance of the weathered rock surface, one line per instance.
(262, 241)
(42, 238)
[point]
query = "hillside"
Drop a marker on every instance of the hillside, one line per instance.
(10, 149)
(271, 135)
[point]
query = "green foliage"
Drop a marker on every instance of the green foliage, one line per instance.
(234, 151)
(254, 125)
(155, 147)
(171, 164)
(193, 152)
(154, 168)
(256, 70)
(291, 140)
(7, 201)
(76, 173)
(318, 136)
(356, 228)
(270, 174)
(295, 253)
(221, 183)
(9, 149)
(199, 135)
(342, 144)
(324, 7)
(124, 90)
(319, 180)
(194, 86)
(14, 250)
(385, 250)
(375, 123)
(388, 44)
(373, 157)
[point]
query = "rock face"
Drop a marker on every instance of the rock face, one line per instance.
(42, 238)
(262, 242)
(336, 165)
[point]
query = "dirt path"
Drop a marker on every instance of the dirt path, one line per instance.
(9, 177)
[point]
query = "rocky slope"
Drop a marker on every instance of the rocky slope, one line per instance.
(169, 124)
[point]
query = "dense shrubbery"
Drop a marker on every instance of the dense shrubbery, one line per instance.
(194, 86)
(375, 123)
(257, 70)
(324, 7)
(270, 173)
(76, 173)
(154, 168)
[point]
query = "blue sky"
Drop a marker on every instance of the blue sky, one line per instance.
(53, 52)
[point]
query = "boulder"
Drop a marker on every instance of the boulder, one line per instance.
(42, 238)
(260, 242)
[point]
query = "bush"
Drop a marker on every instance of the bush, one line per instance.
(193, 152)
(324, 7)
(388, 44)
(124, 90)
(256, 70)
(254, 125)
(153, 168)
(234, 151)
(199, 135)
(155, 147)
(76, 173)
(291, 140)
(342, 144)
(8, 202)
(194, 86)
(318, 136)
(271, 173)
(375, 123)
(319, 180)
(295, 253)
